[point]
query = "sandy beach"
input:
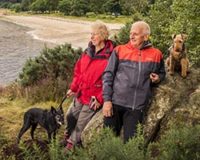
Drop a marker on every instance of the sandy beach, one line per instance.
(24, 37)
(58, 30)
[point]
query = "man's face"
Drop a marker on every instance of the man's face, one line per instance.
(137, 36)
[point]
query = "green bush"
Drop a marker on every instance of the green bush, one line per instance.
(16, 7)
(123, 35)
(105, 145)
(79, 8)
(39, 5)
(175, 17)
(65, 6)
(170, 17)
(5, 5)
(90, 14)
(179, 143)
(48, 75)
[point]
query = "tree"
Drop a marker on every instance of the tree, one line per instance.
(25, 4)
(187, 21)
(79, 7)
(52, 5)
(65, 6)
(133, 6)
(174, 17)
(39, 5)
(160, 18)
(112, 6)
(127, 7)
(96, 6)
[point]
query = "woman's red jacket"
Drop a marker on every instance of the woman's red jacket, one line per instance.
(87, 79)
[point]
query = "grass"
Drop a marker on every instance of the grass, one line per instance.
(11, 117)
(12, 111)
(102, 17)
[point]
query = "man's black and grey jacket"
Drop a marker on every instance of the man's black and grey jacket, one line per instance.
(126, 80)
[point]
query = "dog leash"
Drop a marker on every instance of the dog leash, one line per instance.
(63, 99)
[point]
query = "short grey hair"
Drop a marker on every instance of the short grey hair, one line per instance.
(143, 25)
(101, 28)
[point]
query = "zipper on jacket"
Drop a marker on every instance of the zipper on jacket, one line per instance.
(138, 81)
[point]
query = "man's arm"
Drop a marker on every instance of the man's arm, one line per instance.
(108, 80)
(160, 75)
(109, 75)
(162, 72)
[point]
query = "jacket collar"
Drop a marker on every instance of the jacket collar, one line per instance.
(106, 50)
(146, 44)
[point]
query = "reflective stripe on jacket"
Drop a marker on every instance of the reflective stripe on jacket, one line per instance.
(126, 80)
(87, 79)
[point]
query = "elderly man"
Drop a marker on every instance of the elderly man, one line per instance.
(127, 80)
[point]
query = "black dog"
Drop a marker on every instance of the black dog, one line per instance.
(50, 120)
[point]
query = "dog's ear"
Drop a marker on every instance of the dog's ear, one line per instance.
(184, 36)
(60, 108)
(53, 110)
(173, 36)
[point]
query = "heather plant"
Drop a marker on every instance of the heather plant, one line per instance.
(47, 76)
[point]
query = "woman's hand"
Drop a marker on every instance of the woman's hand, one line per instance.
(70, 93)
(94, 104)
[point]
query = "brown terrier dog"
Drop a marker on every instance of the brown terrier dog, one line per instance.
(177, 59)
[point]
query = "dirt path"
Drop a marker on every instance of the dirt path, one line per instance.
(58, 30)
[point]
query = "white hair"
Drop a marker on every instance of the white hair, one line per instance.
(101, 28)
(143, 25)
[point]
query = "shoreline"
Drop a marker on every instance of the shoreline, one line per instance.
(16, 46)
(23, 37)
(58, 30)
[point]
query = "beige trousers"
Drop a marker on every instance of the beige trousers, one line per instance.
(77, 118)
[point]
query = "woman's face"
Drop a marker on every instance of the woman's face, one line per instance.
(96, 38)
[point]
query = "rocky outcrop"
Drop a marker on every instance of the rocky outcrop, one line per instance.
(175, 101)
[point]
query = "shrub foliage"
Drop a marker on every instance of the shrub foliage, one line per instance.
(170, 17)
(47, 76)
(179, 143)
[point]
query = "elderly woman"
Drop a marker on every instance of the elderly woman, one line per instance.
(86, 86)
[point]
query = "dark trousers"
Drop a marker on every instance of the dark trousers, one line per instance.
(125, 117)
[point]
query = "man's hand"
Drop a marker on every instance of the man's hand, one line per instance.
(107, 109)
(154, 78)
(70, 93)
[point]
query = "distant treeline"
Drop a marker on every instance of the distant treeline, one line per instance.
(79, 7)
